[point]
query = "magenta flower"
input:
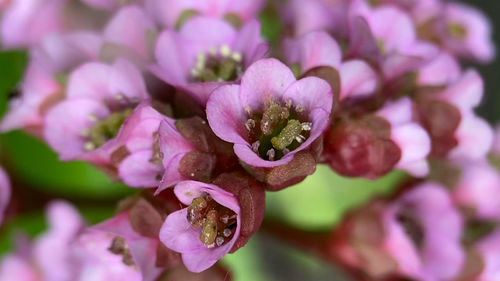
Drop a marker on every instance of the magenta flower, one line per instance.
(25, 23)
(205, 54)
(411, 138)
(467, 32)
(207, 229)
(130, 33)
(423, 231)
(48, 258)
(172, 12)
(4, 193)
(317, 48)
(489, 249)
(271, 116)
(99, 98)
(40, 89)
(138, 139)
(476, 185)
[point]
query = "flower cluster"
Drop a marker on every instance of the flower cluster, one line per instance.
(188, 102)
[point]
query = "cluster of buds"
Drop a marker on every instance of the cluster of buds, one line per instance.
(183, 100)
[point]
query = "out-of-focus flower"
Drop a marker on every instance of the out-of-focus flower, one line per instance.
(173, 13)
(43, 83)
(207, 53)
(318, 49)
(99, 98)
(416, 236)
(4, 193)
(489, 250)
(456, 131)
(216, 221)
(475, 188)
(466, 32)
(130, 33)
(48, 258)
(271, 116)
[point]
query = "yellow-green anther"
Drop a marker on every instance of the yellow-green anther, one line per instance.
(196, 211)
(208, 75)
(287, 135)
(457, 31)
(227, 69)
(209, 229)
(107, 129)
(272, 116)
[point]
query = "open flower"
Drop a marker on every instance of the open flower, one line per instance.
(4, 193)
(99, 98)
(207, 229)
(205, 54)
(173, 13)
(423, 231)
(271, 116)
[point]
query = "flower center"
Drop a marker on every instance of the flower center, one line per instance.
(457, 31)
(106, 129)
(221, 64)
(412, 227)
(278, 130)
(119, 247)
(217, 222)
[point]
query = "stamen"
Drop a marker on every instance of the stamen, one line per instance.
(288, 103)
(236, 57)
(93, 117)
(299, 108)
(300, 138)
(285, 151)
(212, 51)
(255, 146)
(119, 97)
(224, 219)
(306, 126)
(250, 124)
(227, 232)
(225, 51)
(270, 154)
(209, 230)
(219, 241)
(89, 146)
(287, 135)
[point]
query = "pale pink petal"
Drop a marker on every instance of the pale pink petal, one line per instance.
(398, 112)
(415, 145)
(179, 235)
(467, 92)
(358, 79)
(475, 138)
(137, 170)
(442, 70)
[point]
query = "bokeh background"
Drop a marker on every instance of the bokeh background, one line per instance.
(315, 204)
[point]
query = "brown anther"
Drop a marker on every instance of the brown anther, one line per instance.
(119, 247)
(196, 211)
(209, 230)
(250, 124)
(272, 116)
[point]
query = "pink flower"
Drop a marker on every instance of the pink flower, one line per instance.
(171, 12)
(41, 88)
(26, 22)
(138, 139)
(489, 249)
(271, 115)
(317, 48)
(466, 32)
(99, 98)
(48, 258)
(412, 139)
(130, 33)
(444, 69)
(4, 193)
(195, 231)
(423, 231)
(476, 187)
(205, 54)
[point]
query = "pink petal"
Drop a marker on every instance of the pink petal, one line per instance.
(171, 141)
(249, 42)
(66, 123)
(475, 138)
(137, 170)
(127, 80)
(265, 79)
(442, 70)
(4, 192)
(129, 28)
(398, 112)
(226, 115)
(173, 65)
(171, 175)
(311, 93)
(357, 78)
(467, 92)
(415, 145)
(178, 234)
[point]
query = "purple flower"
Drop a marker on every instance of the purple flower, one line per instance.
(131, 34)
(318, 48)
(4, 193)
(466, 32)
(138, 139)
(42, 87)
(173, 12)
(207, 229)
(412, 139)
(423, 231)
(271, 115)
(99, 98)
(48, 258)
(477, 183)
(205, 54)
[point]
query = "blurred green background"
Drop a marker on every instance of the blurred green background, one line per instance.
(316, 203)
